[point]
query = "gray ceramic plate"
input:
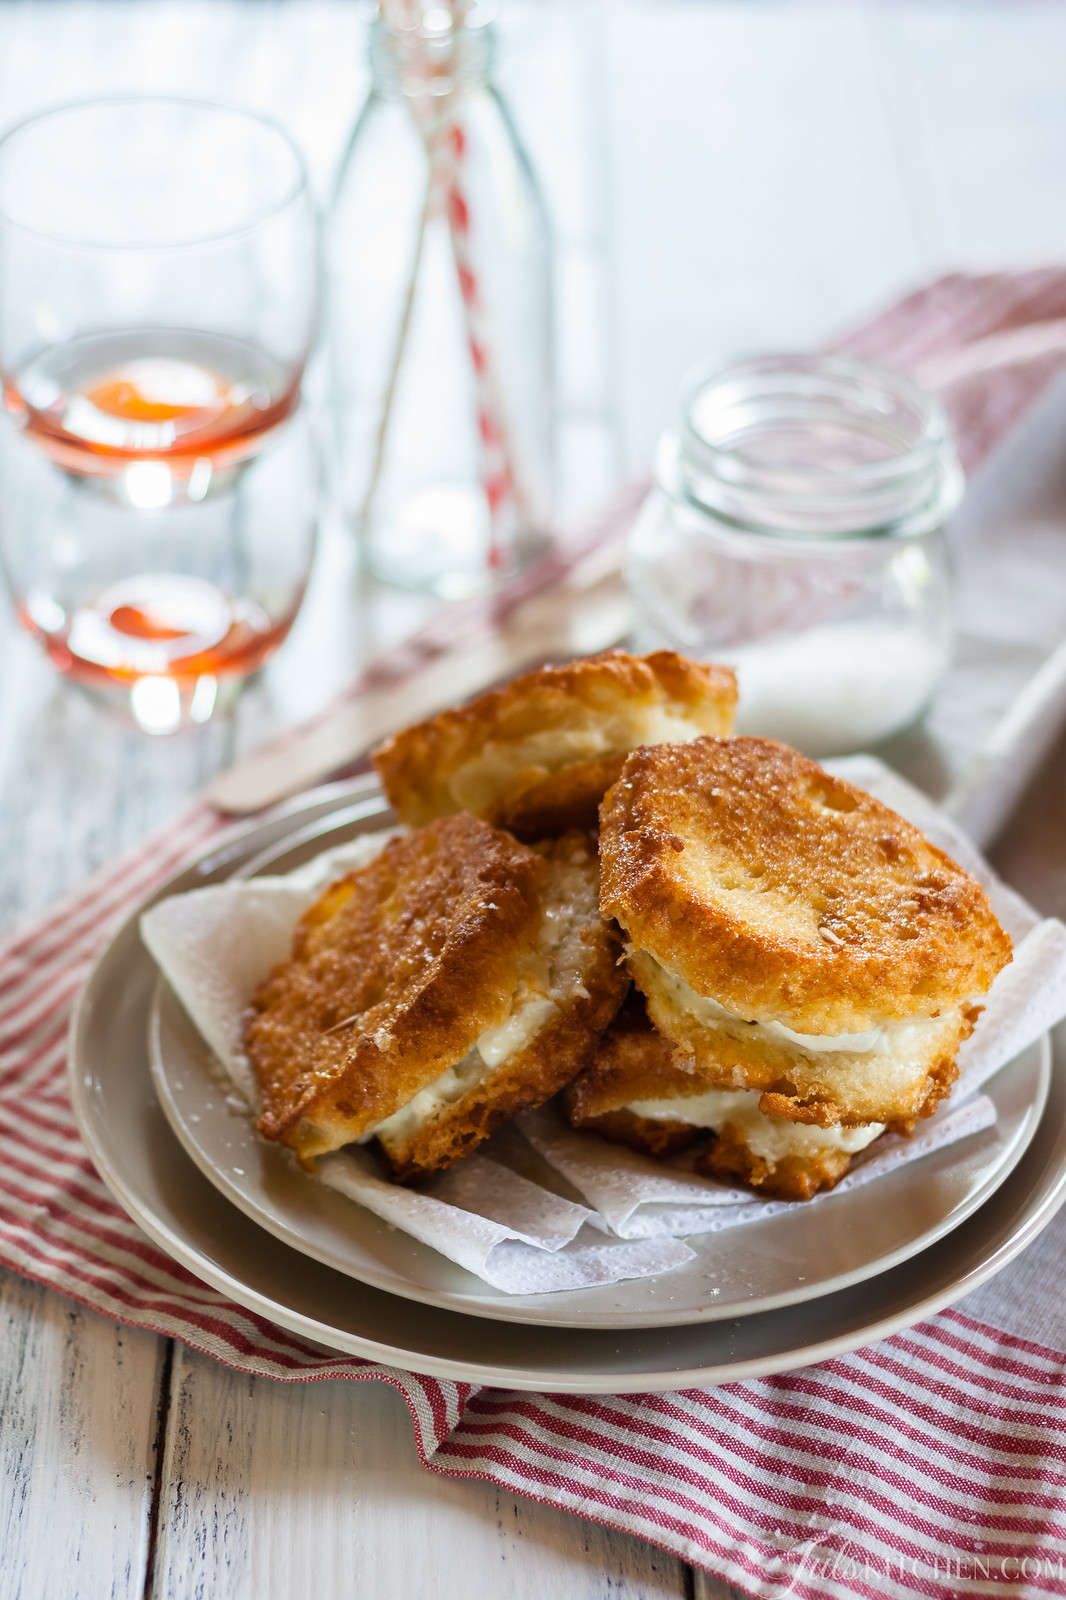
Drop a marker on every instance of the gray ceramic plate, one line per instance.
(784, 1260)
(155, 1181)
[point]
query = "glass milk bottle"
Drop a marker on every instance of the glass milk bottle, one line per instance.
(440, 315)
(795, 531)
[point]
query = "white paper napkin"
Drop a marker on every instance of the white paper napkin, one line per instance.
(645, 1199)
(216, 944)
(514, 1234)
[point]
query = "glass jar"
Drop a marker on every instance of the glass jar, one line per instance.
(441, 314)
(795, 531)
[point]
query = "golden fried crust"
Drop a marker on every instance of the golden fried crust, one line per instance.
(941, 1079)
(537, 755)
(567, 799)
(827, 1088)
(649, 1135)
(560, 1049)
(790, 1177)
(395, 971)
(633, 1062)
(556, 1055)
(783, 892)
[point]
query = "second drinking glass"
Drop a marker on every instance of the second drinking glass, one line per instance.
(158, 481)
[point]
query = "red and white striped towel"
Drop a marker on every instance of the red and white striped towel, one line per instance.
(932, 1463)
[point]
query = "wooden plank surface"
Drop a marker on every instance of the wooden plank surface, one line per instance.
(722, 176)
(275, 1489)
(78, 1440)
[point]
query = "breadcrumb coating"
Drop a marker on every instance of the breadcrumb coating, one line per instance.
(458, 979)
(784, 893)
(799, 1175)
(537, 755)
(899, 1083)
(572, 984)
(633, 1062)
(395, 972)
(636, 1067)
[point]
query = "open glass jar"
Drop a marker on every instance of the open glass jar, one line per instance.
(796, 532)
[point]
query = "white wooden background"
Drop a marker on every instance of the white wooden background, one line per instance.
(724, 175)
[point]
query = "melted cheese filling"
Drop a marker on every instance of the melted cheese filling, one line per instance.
(771, 1138)
(548, 978)
(478, 782)
(898, 1037)
(493, 1049)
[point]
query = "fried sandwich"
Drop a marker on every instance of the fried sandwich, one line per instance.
(792, 936)
(536, 756)
(641, 1090)
(458, 978)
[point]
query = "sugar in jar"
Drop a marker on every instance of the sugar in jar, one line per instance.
(795, 530)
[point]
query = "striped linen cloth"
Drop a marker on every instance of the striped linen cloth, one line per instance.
(933, 1463)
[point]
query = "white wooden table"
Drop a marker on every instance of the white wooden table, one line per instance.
(723, 176)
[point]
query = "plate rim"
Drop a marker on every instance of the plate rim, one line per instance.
(1044, 1196)
(517, 1308)
(548, 1381)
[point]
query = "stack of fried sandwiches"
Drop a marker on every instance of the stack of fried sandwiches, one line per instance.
(774, 969)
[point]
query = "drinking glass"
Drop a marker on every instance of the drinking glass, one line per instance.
(158, 473)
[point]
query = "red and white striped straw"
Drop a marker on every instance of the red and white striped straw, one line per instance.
(439, 121)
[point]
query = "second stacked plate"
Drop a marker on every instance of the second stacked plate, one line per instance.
(836, 1265)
